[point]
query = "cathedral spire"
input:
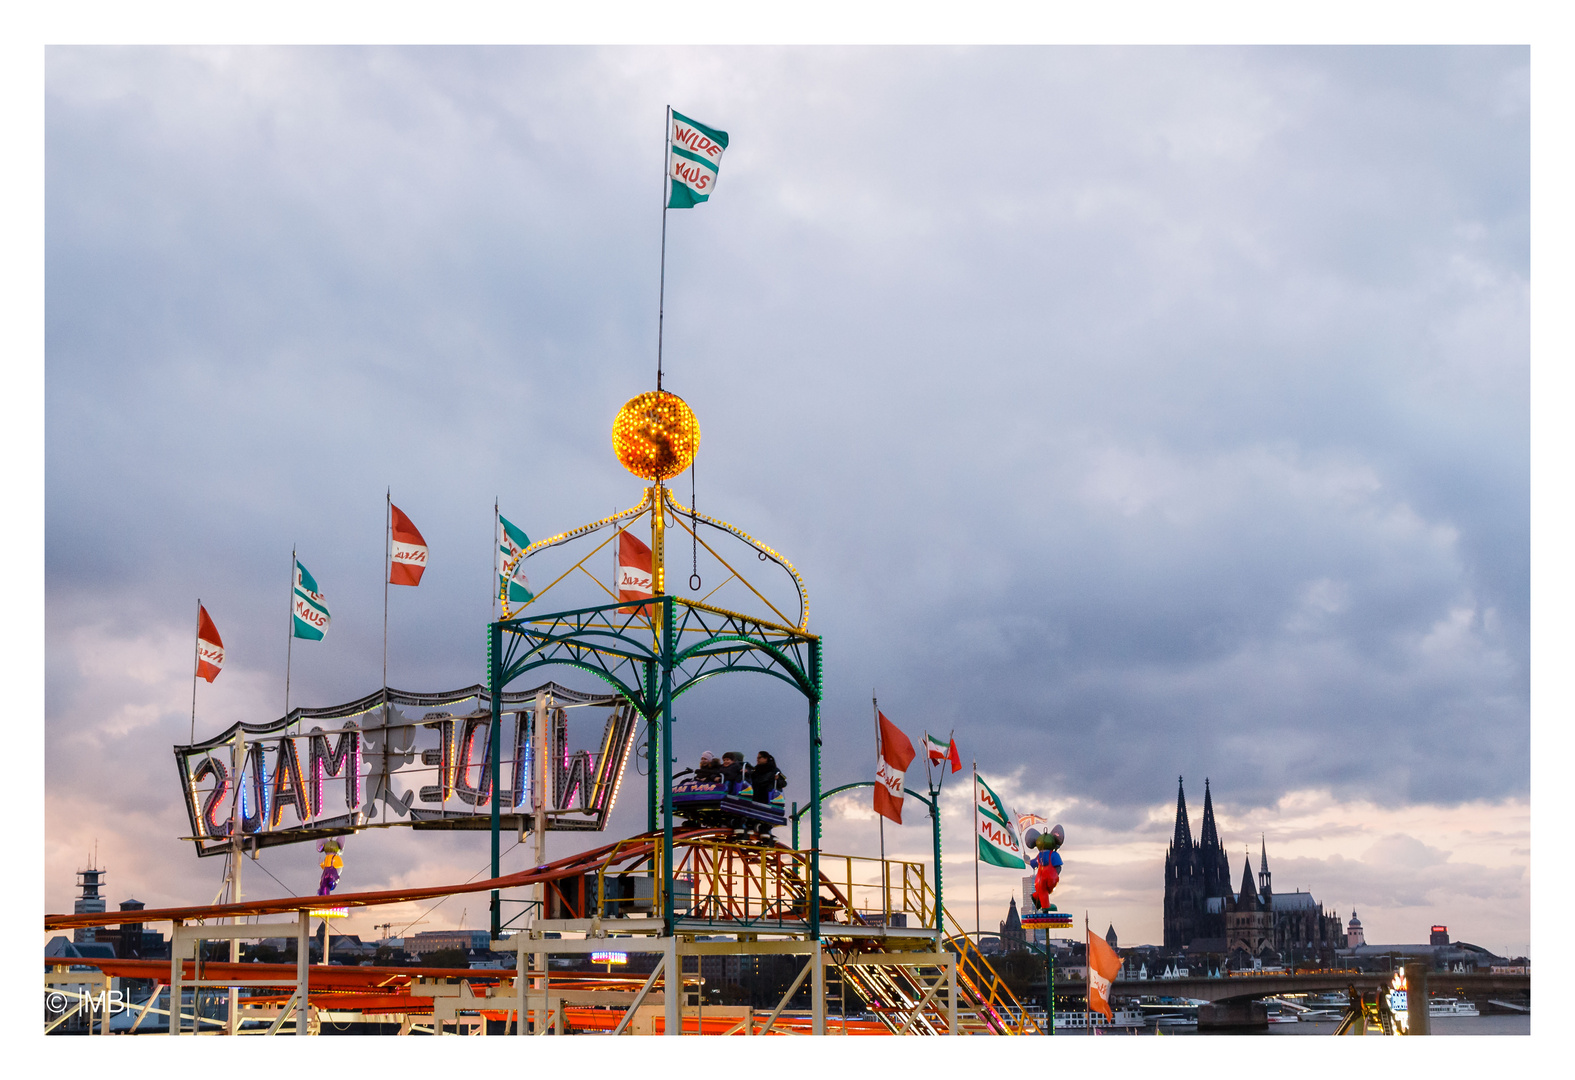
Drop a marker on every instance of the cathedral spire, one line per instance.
(1209, 838)
(1182, 841)
(1263, 867)
(1248, 901)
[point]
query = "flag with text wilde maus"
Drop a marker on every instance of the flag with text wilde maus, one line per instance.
(694, 154)
(999, 844)
(409, 558)
(311, 610)
(210, 647)
(513, 588)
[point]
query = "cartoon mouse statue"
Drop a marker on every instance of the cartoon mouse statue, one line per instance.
(1046, 862)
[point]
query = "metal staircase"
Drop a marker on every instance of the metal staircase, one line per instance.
(986, 1005)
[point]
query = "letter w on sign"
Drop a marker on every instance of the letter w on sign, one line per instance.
(694, 154)
(893, 757)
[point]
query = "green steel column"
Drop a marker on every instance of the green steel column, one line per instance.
(814, 790)
(494, 676)
(668, 645)
(649, 712)
(935, 822)
(1050, 980)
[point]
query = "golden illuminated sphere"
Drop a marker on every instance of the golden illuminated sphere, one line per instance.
(655, 435)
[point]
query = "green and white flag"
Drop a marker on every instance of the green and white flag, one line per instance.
(513, 589)
(998, 841)
(311, 610)
(694, 153)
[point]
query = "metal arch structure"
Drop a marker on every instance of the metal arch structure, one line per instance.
(650, 652)
(660, 496)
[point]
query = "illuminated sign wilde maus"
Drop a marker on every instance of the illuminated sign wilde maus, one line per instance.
(395, 758)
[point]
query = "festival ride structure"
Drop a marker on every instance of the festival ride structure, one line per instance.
(653, 650)
(700, 887)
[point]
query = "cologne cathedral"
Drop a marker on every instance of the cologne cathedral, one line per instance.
(1204, 915)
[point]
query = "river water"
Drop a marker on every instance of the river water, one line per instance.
(1442, 1025)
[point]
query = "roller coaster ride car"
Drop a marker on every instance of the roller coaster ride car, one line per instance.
(726, 804)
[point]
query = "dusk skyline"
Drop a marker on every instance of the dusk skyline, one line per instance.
(1132, 412)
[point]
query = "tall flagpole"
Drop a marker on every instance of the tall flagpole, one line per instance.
(289, 640)
(978, 922)
(661, 295)
(880, 756)
(388, 554)
(196, 657)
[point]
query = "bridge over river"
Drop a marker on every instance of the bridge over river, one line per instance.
(1440, 983)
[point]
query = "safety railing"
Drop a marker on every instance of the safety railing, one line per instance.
(723, 880)
(878, 889)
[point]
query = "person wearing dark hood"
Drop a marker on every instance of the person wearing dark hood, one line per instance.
(765, 777)
(733, 767)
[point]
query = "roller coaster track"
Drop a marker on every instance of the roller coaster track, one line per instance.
(903, 997)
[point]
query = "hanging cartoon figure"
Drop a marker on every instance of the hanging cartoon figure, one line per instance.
(332, 863)
(1046, 862)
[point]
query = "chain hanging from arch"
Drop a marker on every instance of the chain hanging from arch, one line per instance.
(694, 537)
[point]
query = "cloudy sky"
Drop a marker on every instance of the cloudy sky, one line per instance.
(1134, 412)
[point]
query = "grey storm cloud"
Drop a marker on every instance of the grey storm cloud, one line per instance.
(1133, 412)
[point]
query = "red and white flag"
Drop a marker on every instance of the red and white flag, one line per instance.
(210, 647)
(1103, 966)
(634, 571)
(893, 757)
(942, 751)
(410, 550)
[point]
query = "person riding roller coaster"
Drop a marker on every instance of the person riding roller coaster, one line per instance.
(747, 799)
(765, 778)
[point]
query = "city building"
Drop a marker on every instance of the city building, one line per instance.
(89, 902)
(1353, 932)
(433, 940)
(1451, 956)
(1195, 874)
(1012, 936)
(1203, 916)
(1036, 937)
(1263, 925)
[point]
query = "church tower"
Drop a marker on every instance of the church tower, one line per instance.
(1183, 884)
(1249, 924)
(1265, 889)
(1213, 872)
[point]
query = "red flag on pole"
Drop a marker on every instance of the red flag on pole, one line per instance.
(894, 756)
(940, 752)
(210, 647)
(634, 571)
(1103, 966)
(410, 550)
